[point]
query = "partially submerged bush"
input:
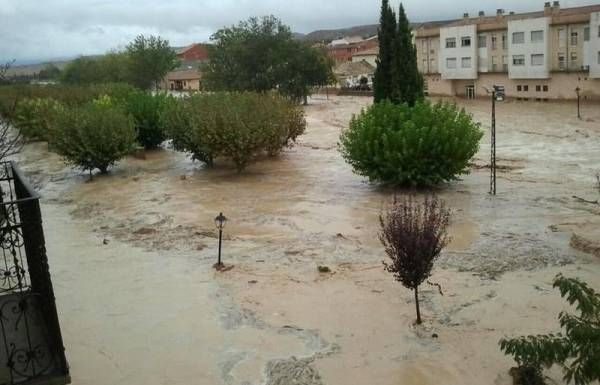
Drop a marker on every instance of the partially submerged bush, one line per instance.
(577, 351)
(237, 126)
(94, 136)
(146, 109)
(420, 146)
(33, 117)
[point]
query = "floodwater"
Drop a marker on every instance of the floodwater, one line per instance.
(131, 256)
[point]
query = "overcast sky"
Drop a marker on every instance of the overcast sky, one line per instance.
(48, 29)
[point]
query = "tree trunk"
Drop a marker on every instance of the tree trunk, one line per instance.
(417, 305)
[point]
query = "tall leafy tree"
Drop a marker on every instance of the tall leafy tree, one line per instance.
(49, 72)
(260, 55)
(382, 82)
(407, 81)
(150, 59)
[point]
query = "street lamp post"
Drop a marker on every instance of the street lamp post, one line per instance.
(495, 92)
(577, 90)
(220, 221)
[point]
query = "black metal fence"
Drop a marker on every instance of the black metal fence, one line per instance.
(31, 346)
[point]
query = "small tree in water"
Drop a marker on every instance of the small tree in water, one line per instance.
(413, 235)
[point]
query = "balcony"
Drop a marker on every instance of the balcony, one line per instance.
(31, 347)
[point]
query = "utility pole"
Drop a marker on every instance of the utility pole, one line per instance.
(578, 102)
(493, 145)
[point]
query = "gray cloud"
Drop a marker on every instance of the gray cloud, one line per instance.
(46, 29)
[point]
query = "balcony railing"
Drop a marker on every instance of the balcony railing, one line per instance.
(31, 346)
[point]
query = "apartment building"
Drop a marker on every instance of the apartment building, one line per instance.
(536, 55)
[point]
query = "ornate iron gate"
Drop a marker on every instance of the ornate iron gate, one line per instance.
(31, 346)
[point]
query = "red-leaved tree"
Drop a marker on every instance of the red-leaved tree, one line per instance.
(413, 234)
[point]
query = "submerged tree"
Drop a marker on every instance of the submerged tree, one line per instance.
(413, 235)
(577, 351)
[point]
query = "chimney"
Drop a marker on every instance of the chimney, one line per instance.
(547, 9)
(555, 8)
(465, 15)
(481, 14)
(499, 13)
(511, 13)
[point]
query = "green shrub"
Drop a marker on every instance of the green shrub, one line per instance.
(69, 95)
(422, 145)
(33, 117)
(236, 126)
(94, 136)
(577, 350)
(146, 109)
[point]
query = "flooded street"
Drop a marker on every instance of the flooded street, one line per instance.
(131, 255)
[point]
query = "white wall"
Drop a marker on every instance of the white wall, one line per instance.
(592, 47)
(529, 48)
(458, 52)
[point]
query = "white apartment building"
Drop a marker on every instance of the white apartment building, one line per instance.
(528, 48)
(458, 52)
(537, 55)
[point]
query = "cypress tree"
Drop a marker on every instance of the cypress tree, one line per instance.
(382, 82)
(407, 82)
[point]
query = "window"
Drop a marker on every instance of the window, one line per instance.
(503, 41)
(598, 57)
(494, 41)
(525, 88)
(518, 60)
(482, 41)
(432, 52)
(545, 88)
(562, 37)
(538, 88)
(494, 65)
(519, 88)
(537, 36)
(518, 37)
(599, 31)
(465, 41)
(573, 56)
(504, 63)
(424, 69)
(466, 62)
(537, 59)
(586, 34)
(451, 62)
(451, 42)
(561, 61)
(574, 36)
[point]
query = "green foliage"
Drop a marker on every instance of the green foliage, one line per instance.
(260, 55)
(49, 72)
(69, 95)
(146, 109)
(34, 117)
(423, 145)
(397, 77)
(236, 126)
(150, 58)
(577, 351)
(94, 136)
(114, 67)
(382, 81)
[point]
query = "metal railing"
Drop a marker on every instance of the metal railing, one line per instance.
(31, 346)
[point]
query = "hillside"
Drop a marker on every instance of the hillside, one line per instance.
(332, 34)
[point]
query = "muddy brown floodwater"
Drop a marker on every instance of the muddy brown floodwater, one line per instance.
(131, 257)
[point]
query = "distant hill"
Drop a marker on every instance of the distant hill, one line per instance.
(327, 35)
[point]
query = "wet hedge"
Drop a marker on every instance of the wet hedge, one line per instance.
(235, 126)
(425, 145)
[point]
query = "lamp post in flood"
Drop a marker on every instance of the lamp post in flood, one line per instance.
(220, 221)
(577, 90)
